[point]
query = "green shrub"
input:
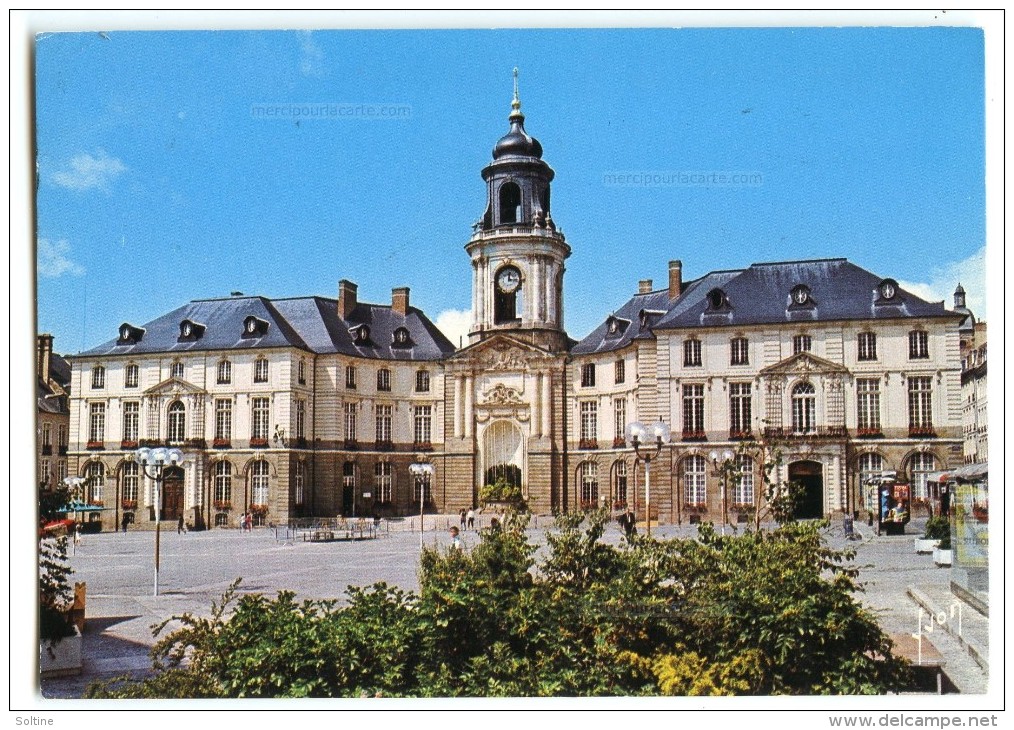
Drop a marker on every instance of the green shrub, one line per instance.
(937, 528)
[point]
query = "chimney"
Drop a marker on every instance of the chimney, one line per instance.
(644, 286)
(399, 300)
(675, 279)
(346, 298)
(44, 353)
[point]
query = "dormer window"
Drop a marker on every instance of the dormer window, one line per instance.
(615, 326)
(360, 334)
(401, 337)
(190, 330)
(801, 296)
(254, 326)
(129, 334)
(717, 300)
(887, 291)
(649, 316)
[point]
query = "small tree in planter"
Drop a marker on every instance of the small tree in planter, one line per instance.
(502, 492)
(942, 553)
(937, 529)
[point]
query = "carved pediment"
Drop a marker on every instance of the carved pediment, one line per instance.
(175, 386)
(804, 363)
(501, 354)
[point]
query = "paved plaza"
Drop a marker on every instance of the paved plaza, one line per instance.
(198, 567)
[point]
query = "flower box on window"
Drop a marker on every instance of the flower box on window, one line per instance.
(351, 444)
(695, 436)
(96, 503)
(589, 505)
(422, 446)
(128, 444)
(740, 435)
(695, 507)
(258, 443)
(129, 504)
(926, 432)
(869, 433)
(150, 443)
(384, 446)
(619, 504)
(619, 442)
(222, 505)
(259, 509)
(95, 446)
(588, 444)
(221, 444)
(301, 442)
(196, 443)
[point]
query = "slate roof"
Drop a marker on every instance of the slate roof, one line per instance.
(305, 323)
(59, 372)
(761, 294)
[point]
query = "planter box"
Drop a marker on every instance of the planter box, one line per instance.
(62, 659)
(924, 546)
(942, 557)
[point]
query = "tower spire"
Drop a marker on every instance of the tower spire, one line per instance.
(516, 103)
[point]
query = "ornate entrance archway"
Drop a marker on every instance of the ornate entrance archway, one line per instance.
(810, 474)
(503, 453)
(172, 494)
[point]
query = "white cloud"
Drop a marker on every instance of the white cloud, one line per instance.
(54, 261)
(455, 323)
(310, 61)
(944, 279)
(87, 171)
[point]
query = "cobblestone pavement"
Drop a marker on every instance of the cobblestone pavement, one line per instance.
(198, 567)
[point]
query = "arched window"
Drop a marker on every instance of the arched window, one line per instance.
(96, 478)
(620, 482)
(742, 490)
(589, 484)
(510, 203)
(869, 465)
(130, 482)
(804, 408)
(259, 484)
(177, 421)
(695, 481)
(223, 485)
(919, 468)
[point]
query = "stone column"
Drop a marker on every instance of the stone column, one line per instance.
(835, 478)
(537, 405)
(468, 406)
(551, 294)
(547, 404)
(476, 306)
(537, 289)
(456, 381)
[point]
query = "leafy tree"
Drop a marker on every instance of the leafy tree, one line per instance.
(55, 594)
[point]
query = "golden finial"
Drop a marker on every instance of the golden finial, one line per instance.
(516, 104)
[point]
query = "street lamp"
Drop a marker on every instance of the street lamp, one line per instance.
(723, 470)
(422, 471)
(157, 460)
(639, 435)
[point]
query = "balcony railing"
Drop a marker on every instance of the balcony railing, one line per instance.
(820, 432)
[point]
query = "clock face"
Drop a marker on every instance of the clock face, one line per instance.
(187, 330)
(251, 326)
(508, 280)
(801, 295)
(887, 290)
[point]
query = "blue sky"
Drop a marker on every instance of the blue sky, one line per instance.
(159, 182)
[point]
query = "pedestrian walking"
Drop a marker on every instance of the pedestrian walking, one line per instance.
(462, 515)
(125, 521)
(470, 516)
(455, 539)
(627, 521)
(77, 534)
(248, 522)
(181, 527)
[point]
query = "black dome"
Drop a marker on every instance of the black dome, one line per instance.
(517, 142)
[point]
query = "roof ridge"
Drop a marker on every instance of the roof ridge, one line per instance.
(799, 261)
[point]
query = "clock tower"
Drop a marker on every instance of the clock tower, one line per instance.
(516, 249)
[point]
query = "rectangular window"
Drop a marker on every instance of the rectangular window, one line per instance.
(300, 419)
(691, 353)
(918, 345)
(47, 435)
(224, 372)
(46, 473)
(742, 490)
(621, 482)
(589, 421)
(867, 346)
(131, 378)
(131, 420)
(868, 405)
(693, 411)
(621, 372)
(423, 424)
(695, 481)
(801, 343)
(61, 471)
(619, 420)
(384, 415)
(98, 377)
(61, 436)
(422, 381)
(739, 351)
(740, 409)
(261, 419)
(223, 419)
(920, 404)
(130, 483)
(97, 423)
(176, 370)
(382, 473)
(350, 376)
(301, 372)
(350, 422)
(588, 375)
(384, 379)
(261, 370)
